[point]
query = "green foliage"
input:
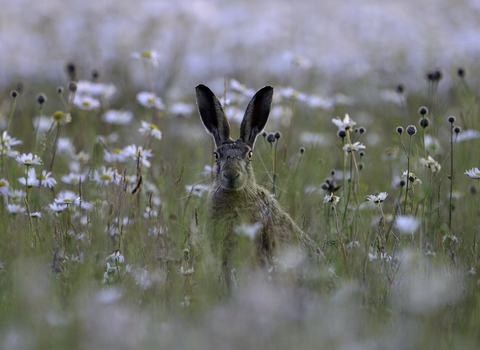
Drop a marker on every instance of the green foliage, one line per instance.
(130, 266)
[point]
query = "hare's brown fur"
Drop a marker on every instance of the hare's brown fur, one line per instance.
(235, 198)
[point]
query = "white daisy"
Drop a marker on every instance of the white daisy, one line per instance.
(431, 164)
(134, 152)
(150, 129)
(117, 117)
(148, 56)
(348, 148)
(346, 124)
(149, 100)
(378, 198)
(67, 198)
(331, 198)
(86, 103)
(15, 209)
(474, 173)
(106, 176)
(29, 159)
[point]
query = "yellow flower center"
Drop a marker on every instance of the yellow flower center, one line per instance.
(105, 177)
(58, 116)
(153, 127)
(3, 183)
(67, 200)
(146, 54)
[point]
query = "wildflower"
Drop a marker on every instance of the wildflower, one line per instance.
(147, 56)
(149, 100)
(42, 124)
(348, 148)
(61, 117)
(197, 189)
(345, 124)
(236, 86)
(377, 199)
(73, 178)
(113, 156)
(106, 176)
(423, 110)
(8, 141)
(186, 272)
(95, 90)
(248, 230)
(86, 103)
(57, 208)
(117, 117)
(407, 224)
(135, 152)
(467, 135)
(411, 130)
(29, 159)
(15, 209)
(67, 197)
(4, 186)
(81, 157)
(150, 129)
(30, 180)
(150, 213)
(116, 257)
(353, 244)
(291, 93)
(45, 179)
(331, 198)
(16, 195)
(474, 173)
(412, 177)
(142, 280)
(431, 164)
(36, 215)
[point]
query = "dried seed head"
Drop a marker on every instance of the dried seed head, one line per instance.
(400, 88)
(361, 154)
(473, 190)
(400, 129)
(271, 137)
(302, 150)
(41, 98)
(60, 90)
(72, 86)
(451, 119)
(278, 135)
(342, 134)
(435, 75)
(264, 133)
(71, 71)
(14, 93)
(411, 130)
(95, 75)
(423, 110)
(360, 166)
(461, 72)
(424, 122)
(457, 130)
(332, 172)
(362, 130)
(402, 183)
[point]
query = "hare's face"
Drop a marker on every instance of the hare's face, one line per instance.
(234, 169)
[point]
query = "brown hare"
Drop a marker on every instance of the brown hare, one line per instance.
(234, 197)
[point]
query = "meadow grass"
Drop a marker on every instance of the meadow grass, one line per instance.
(122, 260)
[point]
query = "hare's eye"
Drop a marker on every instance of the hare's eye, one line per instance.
(249, 155)
(215, 154)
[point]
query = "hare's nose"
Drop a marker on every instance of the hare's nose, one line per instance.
(231, 174)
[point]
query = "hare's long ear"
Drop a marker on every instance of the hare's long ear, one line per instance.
(212, 115)
(256, 115)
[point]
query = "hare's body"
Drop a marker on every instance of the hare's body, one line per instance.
(234, 198)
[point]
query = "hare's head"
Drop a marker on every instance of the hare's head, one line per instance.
(234, 169)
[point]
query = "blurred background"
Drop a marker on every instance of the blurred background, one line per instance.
(306, 44)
